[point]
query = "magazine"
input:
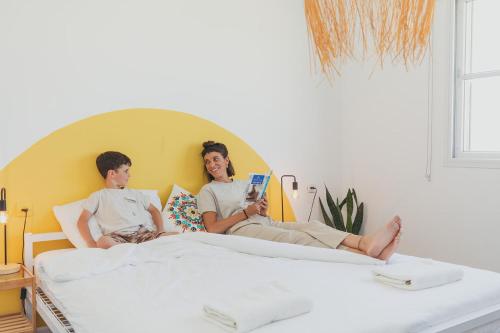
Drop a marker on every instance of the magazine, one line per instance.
(256, 187)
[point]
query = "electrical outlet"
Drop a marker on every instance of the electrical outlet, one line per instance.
(311, 188)
(23, 205)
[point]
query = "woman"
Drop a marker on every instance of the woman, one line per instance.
(220, 203)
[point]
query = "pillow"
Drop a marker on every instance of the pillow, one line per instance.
(67, 216)
(181, 212)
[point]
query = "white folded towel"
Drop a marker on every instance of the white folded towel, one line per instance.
(416, 275)
(255, 307)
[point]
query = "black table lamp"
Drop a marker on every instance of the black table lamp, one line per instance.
(5, 268)
(295, 192)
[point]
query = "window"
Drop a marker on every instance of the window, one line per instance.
(476, 104)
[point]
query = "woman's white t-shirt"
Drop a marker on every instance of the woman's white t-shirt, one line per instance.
(226, 199)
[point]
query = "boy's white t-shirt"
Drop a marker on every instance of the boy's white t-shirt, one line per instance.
(123, 210)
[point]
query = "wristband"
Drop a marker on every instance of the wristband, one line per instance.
(245, 213)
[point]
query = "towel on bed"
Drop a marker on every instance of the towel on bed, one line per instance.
(255, 307)
(416, 275)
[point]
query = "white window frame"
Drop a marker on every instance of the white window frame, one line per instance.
(459, 138)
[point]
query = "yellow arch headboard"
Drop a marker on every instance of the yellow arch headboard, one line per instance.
(164, 147)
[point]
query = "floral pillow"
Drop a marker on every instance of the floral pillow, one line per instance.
(181, 212)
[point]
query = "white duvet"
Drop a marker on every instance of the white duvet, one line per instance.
(88, 262)
(161, 286)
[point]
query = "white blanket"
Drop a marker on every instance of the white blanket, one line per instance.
(272, 249)
(86, 262)
(83, 263)
(168, 292)
(418, 275)
(255, 307)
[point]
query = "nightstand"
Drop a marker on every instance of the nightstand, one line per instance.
(17, 322)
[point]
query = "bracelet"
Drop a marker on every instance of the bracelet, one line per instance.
(245, 213)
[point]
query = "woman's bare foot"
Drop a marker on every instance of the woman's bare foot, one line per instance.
(374, 244)
(391, 248)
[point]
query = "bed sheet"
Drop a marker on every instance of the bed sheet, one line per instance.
(168, 295)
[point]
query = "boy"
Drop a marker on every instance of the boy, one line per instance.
(120, 212)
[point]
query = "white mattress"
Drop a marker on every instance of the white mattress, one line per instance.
(168, 295)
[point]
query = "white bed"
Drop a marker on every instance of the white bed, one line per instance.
(164, 288)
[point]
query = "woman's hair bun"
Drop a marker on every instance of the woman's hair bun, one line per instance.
(207, 144)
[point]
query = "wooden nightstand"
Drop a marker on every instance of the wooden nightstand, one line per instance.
(17, 322)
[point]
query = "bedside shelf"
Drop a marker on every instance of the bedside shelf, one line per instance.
(17, 322)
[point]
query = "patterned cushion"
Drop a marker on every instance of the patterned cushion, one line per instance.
(181, 212)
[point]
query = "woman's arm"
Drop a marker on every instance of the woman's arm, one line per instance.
(221, 226)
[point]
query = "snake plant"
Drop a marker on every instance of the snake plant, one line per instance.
(337, 219)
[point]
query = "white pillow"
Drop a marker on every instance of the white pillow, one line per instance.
(67, 216)
(181, 213)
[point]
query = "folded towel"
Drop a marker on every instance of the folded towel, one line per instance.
(255, 307)
(416, 275)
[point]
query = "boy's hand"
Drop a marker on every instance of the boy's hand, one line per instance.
(169, 233)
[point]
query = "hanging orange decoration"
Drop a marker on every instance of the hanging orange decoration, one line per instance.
(396, 28)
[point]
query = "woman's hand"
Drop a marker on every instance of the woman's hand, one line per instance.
(260, 207)
(253, 209)
(263, 206)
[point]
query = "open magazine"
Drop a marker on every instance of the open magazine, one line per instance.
(256, 187)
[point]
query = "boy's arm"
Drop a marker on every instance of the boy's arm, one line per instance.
(157, 219)
(83, 227)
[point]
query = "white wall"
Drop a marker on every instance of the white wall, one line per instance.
(236, 61)
(233, 62)
(455, 216)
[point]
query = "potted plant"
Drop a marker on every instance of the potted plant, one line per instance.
(337, 220)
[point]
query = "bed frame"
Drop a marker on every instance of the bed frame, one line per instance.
(484, 321)
(55, 320)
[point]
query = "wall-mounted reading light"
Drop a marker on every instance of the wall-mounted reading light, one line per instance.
(5, 268)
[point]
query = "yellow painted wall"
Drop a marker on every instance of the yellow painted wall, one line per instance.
(164, 147)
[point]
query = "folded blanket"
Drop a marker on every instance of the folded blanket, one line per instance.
(416, 275)
(255, 307)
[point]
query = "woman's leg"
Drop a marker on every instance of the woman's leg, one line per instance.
(381, 244)
(281, 235)
(374, 244)
(325, 235)
(391, 248)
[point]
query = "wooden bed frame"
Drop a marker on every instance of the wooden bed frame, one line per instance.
(484, 321)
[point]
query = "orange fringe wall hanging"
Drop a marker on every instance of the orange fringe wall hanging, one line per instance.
(396, 28)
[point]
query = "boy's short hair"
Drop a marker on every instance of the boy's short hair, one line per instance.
(111, 160)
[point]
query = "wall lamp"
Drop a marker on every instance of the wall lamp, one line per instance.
(5, 268)
(295, 192)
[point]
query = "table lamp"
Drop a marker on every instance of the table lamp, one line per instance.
(295, 192)
(5, 268)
